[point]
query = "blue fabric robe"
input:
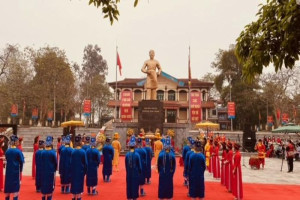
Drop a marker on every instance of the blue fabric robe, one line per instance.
(133, 170)
(93, 159)
(14, 165)
(196, 170)
(65, 165)
(78, 170)
(86, 147)
(49, 166)
(166, 165)
(149, 159)
(186, 163)
(38, 168)
(143, 156)
(186, 149)
(108, 153)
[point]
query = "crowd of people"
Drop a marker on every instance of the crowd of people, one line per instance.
(280, 148)
(80, 161)
(227, 169)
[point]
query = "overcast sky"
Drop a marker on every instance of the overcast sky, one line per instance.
(167, 26)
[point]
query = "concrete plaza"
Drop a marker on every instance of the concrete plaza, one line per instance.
(270, 175)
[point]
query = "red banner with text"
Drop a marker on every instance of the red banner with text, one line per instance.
(270, 119)
(50, 115)
(35, 113)
(126, 103)
(231, 110)
(285, 117)
(195, 107)
(87, 107)
(14, 110)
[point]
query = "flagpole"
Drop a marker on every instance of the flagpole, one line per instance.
(189, 82)
(116, 82)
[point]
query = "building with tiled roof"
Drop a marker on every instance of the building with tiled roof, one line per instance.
(173, 92)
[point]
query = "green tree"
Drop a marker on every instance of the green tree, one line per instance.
(273, 38)
(53, 84)
(280, 91)
(14, 82)
(229, 72)
(109, 8)
(92, 80)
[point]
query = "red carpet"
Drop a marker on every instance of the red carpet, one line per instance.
(116, 189)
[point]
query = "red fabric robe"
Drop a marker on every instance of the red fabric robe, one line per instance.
(1, 168)
(216, 163)
(224, 155)
(35, 148)
(211, 150)
(228, 170)
(237, 182)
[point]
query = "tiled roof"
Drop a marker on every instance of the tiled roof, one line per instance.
(132, 83)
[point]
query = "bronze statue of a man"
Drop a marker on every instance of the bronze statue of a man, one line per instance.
(149, 68)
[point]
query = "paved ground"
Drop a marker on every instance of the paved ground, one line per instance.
(270, 175)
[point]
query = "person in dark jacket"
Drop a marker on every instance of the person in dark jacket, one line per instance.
(185, 150)
(14, 166)
(65, 166)
(166, 168)
(49, 166)
(133, 170)
(196, 170)
(108, 155)
(149, 155)
(93, 158)
(78, 169)
(86, 145)
(38, 163)
(143, 155)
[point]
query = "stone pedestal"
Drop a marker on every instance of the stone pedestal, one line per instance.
(151, 115)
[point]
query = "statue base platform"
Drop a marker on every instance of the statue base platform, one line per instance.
(151, 115)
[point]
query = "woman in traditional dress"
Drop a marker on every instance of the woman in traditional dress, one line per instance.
(35, 148)
(237, 182)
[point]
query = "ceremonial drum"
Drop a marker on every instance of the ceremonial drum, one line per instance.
(254, 162)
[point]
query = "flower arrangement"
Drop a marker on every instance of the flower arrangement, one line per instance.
(171, 132)
(130, 132)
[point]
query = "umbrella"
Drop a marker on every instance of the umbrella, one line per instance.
(208, 125)
(290, 128)
(72, 123)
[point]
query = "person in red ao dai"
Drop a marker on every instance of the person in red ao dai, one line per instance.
(216, 160)
(237, 182)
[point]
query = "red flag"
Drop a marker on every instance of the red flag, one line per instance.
(119, 63)
(189, 67)
(278, 114)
